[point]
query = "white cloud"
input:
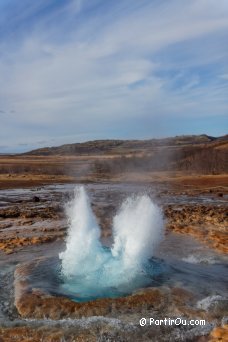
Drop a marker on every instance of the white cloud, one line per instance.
(224, 76)
(106, 70)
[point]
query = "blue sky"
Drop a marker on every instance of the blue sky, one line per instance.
(77, 70)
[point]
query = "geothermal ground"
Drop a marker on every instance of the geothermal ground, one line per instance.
(183, 275)
(192, 283)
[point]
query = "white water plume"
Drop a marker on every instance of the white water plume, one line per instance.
(137, 230)
(82, 244)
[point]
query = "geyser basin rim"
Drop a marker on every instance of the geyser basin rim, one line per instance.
(90, 270)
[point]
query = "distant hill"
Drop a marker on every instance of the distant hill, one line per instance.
(100, 147)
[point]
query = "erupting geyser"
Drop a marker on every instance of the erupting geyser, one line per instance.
(89, 269)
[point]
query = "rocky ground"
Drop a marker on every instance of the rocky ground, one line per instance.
(37, 218)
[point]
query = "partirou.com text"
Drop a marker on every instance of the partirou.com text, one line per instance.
(170, 321)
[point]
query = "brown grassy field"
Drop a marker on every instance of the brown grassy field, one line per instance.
(19, 172)
(186, 161)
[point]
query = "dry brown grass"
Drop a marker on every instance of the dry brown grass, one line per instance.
(200, 166)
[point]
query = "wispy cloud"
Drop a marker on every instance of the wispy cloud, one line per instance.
(91, 69)
(224, 76)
